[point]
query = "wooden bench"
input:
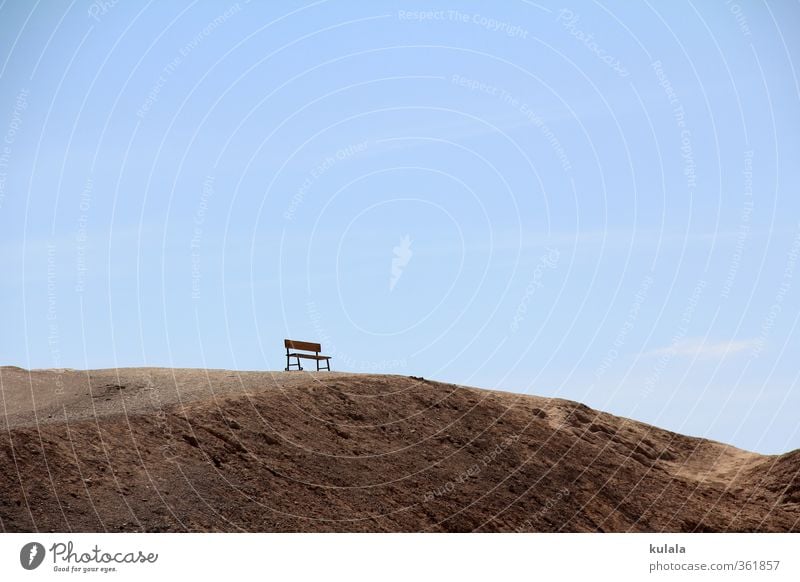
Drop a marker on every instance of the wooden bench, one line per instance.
(305, 347)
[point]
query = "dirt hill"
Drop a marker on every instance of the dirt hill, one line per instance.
(213, 450)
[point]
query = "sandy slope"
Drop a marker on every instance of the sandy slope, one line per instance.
(177, 450)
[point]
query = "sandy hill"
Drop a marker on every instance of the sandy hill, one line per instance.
(213, 450)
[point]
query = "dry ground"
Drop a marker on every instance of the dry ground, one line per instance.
(149, 449)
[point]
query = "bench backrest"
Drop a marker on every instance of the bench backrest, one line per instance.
(305, 346)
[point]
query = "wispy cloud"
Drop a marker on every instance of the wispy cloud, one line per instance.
(700, 348)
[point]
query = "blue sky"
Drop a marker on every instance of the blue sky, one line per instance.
(596, 201)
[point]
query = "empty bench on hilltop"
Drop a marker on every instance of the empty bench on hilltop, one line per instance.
(305, 347)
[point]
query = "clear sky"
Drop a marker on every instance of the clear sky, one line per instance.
(596, 201)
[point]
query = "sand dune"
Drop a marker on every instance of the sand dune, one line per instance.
(155, 449)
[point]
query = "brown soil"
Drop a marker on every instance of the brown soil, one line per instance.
(212, 450)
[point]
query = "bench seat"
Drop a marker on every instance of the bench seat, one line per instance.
(310, 356)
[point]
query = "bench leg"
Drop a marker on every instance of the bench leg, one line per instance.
(289, 364)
